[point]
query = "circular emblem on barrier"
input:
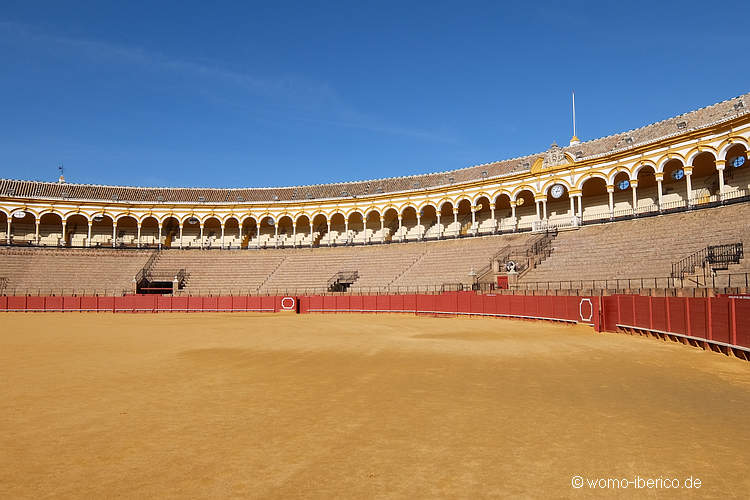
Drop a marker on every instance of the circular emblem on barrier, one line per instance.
(623, 184)
(585, 309)
(738, 162)
(678, 174)
(288, 303)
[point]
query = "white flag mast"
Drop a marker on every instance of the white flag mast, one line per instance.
(574, 140)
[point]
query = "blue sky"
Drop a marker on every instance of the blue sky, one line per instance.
(279, 93)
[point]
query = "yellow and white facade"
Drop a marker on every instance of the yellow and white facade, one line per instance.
(700, 161)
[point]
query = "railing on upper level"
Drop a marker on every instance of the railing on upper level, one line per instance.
(714, 256)
(343, 277)
(146, 269)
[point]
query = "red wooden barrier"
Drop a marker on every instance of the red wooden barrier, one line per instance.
(329, 303)
(356, 303)
(89, 303)
(35, 304)
(464, 302)
(195, 304)
(342, 303)
(410, 303)
(53, 303)
(16, 303)
(254, 304)
(718, 326)
(383, 303)
(163, 303)
(369, 303)
(238, 303)
(698, 317)
(268, 304)
(180, 304)
(210, 304)
(145, 303)
(489, 304)
(739, 310)
(397, 303)
(105, 304)
(725, 319)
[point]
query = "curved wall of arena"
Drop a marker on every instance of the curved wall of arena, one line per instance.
(698, 158)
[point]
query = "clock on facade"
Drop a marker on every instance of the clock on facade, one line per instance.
(557, 190)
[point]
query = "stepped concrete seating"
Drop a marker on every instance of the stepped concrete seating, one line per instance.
(644, 247)
(310, 269)
(217, 271)
(66, 271)
(451, 261)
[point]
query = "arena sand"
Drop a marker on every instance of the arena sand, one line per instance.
(357, 406)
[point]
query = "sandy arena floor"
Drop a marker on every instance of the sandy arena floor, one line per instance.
(352, 406)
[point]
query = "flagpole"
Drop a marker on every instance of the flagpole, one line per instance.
(574, 113)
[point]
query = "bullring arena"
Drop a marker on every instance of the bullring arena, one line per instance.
(496, 330)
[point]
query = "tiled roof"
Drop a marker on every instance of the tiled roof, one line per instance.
(678, 125)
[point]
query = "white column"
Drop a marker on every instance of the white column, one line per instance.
(36, 233)
(439, 231)
(382, 229)
(201, 235)
(257, 234)
(139, 234)
(720, 169)
(688, 175)
(7, 235)
(634, 186)
(276, 233)
(659, 178)
(538, 215)
(64, 239)
(114, 233)
(346, 228)
(294, 234)
(572, 206)
(328, 234)
(88, 238)
(544, 206)
(159, 233)
(513, 214)
(240, 227)
(222, 236)
(455, 221)
(492, 216)
(311, 233)
(401, 236)
(580, 206)
(611, 193)
(419, 222)
(181, 235)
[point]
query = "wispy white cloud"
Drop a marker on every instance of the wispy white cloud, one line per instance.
(303, 99)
